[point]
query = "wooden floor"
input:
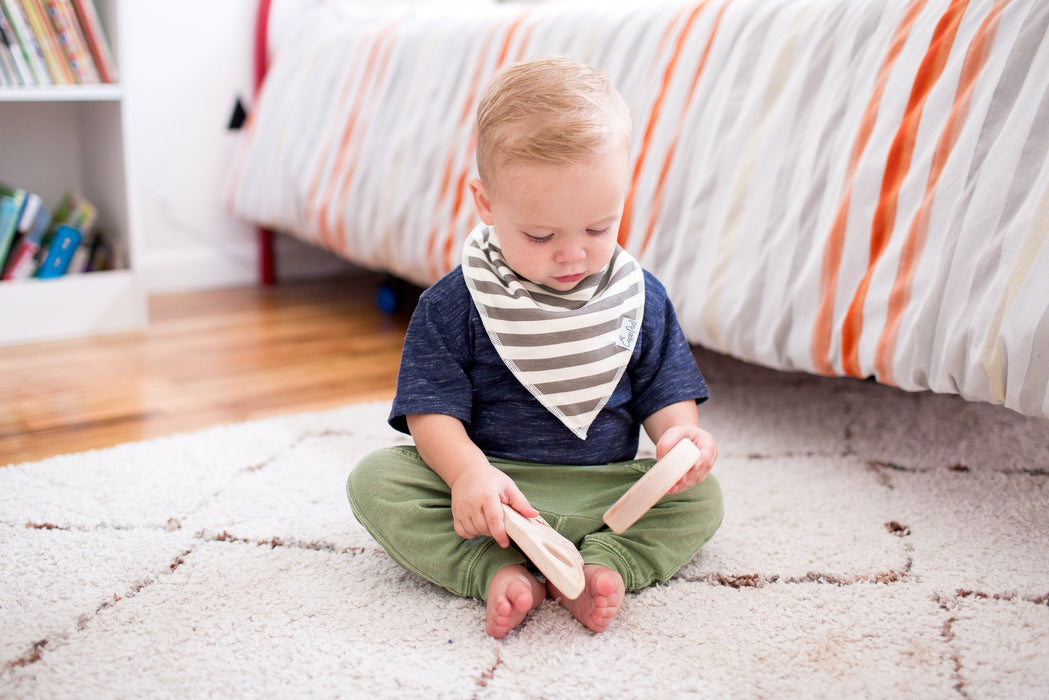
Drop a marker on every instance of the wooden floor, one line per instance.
(207, 358)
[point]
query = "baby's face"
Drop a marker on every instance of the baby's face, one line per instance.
(558, 223)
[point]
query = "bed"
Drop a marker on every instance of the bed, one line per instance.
(844, 187)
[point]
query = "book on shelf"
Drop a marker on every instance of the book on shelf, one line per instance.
(15, 70)
(94, 36)
(73, 40)
(18, 210)
(48, 41)
(34, 242)
(15, 50)
(53, 42)
(10, 210)
(64, 242)
(22, 259)
(26, 42)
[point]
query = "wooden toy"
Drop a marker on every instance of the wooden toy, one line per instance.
(553, 555)
(652, 486)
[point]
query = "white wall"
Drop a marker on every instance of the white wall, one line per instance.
(183, 64)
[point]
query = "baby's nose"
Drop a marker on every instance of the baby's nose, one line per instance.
(570, 254)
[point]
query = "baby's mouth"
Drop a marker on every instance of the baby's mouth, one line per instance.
(569, 279)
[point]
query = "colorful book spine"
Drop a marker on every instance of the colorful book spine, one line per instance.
(13, 202)
(60, 252)
(82, 257)
(22, 261)
(72, 41)
(74, 209)
(14, 49)
(95, 38)
(47, 40)
(7, 61)
(10, 211)
(31, 204)
(27, 41)
(30, 209)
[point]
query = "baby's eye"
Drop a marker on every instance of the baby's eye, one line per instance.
(539, 239)
(597, 231)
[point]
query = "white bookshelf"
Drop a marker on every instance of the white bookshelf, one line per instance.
(53, 139)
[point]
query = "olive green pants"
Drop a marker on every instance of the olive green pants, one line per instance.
(407, 508)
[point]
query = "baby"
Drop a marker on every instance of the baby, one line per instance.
(528, 371)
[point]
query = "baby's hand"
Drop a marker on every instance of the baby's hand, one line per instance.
(708, 452)
(478, 495)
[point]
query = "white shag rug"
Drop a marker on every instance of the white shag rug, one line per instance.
(875, 544)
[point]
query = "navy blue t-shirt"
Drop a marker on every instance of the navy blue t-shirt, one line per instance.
(449, 366)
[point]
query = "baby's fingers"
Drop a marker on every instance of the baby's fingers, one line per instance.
(496, 525)
(464, 529)
(472, 524)
(692, 477)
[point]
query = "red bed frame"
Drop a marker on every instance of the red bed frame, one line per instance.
(267, 254)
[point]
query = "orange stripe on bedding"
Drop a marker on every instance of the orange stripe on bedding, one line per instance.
(446, 175)
(657, 197)
(896, 168)
(322, 202)
(439, 266)
(457, 206)
(664, 39)
(653, 119)
(314, 197)
(353, 161)
(823, 326)
(451, 242)
(899, 297)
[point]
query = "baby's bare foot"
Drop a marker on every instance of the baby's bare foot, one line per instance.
(599, 602)
(512, 594)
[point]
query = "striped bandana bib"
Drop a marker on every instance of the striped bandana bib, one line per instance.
(569, 349)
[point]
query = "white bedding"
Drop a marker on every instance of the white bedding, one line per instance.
(853, 187)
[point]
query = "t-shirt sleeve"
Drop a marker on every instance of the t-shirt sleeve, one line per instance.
(432, 376)
(666, 371)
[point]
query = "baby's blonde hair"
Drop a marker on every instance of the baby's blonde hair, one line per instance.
(548, 110)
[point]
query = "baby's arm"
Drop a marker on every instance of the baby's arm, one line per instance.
(478, 489)
(669, 425)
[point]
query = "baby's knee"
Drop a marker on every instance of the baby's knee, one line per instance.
(364, 475)
(707, 494)
(392, 478)
(713, 505)
(369, 480)
(703, 508)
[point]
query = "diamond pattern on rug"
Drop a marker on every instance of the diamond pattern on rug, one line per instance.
(875, 543)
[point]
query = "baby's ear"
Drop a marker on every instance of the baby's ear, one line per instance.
(481, 201)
